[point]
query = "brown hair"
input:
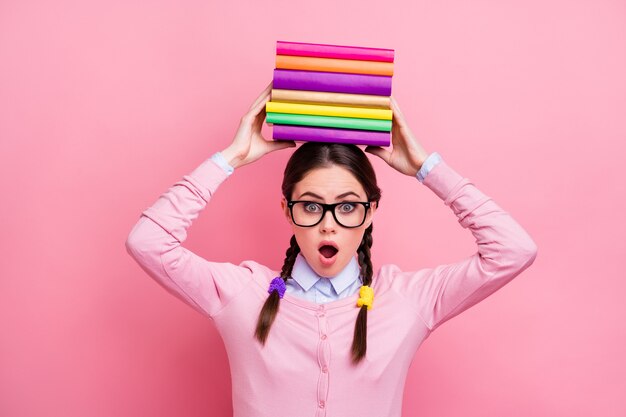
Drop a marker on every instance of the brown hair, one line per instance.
(309, 156)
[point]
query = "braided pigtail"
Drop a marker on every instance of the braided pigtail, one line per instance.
(359, 341)
(270, 308)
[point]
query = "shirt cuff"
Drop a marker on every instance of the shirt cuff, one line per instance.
(219, 159)
(428, 164)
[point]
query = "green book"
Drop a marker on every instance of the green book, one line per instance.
(328, 121)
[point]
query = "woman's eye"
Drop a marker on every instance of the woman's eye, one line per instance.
(312, 207)
(346, 207)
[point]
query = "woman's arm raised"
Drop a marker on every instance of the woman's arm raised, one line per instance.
(504, 248)
(155, 241)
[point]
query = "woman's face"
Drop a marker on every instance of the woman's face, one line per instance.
(328, 185)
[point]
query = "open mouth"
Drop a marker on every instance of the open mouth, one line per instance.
(328, 249)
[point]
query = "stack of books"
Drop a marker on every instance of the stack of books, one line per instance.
(331, 93)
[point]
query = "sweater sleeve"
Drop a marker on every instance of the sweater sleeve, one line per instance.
(155, 242)
(504, 250)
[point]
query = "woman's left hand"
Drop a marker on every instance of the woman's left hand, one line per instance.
(406, 155)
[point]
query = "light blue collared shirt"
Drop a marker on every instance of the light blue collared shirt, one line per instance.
(305, 282)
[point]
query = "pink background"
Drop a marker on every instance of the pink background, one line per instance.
(105, 104)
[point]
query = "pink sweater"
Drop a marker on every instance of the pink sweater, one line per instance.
(304, 368)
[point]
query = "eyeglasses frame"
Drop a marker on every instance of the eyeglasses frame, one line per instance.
(331, 208)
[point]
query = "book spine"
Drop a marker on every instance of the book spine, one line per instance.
(322, 97)
(332, 82)
(328, 121)
(348, 66)
(334, 51)
(326, 134)
(322, 110)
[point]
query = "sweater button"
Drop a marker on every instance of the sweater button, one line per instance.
(324, 337)
(325, 369)
(322, 404)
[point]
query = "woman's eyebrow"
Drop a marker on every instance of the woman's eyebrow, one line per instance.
(321, 198)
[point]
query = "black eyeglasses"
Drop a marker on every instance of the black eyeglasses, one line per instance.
(348, 214)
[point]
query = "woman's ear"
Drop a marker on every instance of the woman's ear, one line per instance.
(370, 214)
(285, 209)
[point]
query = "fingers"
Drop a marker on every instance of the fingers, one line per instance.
(259, 107)
(259, 103)
(383, 154)
(265, 93)
(394, 104)
(282, 144)
(398, 116)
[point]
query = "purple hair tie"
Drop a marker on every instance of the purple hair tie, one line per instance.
(277, 284)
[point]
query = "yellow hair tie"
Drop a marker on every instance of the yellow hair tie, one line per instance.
(366, 294)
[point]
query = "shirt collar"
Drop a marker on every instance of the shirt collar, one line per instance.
(306, 277)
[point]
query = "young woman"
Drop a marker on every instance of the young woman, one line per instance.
(326, 335)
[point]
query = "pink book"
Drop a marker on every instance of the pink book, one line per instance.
(334, 51)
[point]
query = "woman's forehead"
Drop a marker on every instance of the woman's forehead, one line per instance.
(329, 182)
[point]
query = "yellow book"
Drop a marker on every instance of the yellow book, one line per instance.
(322, 110)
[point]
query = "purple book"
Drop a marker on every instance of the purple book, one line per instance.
(329, 134)
(335, 82)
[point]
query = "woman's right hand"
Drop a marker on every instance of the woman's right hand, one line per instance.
(407, 154)
(249, 144)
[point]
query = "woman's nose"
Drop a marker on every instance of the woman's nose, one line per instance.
(328, 221)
